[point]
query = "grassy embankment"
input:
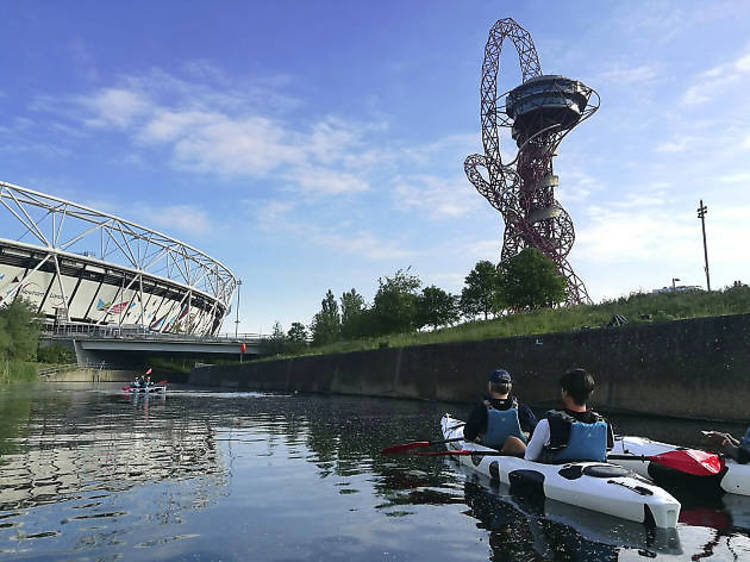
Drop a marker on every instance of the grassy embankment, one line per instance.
(639, 308)
(17, 371)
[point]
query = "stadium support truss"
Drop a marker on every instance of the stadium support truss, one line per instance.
(539, 113)
(77, 264)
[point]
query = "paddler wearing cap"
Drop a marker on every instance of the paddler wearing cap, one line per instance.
(499, 420)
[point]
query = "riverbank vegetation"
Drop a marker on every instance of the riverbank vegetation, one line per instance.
(516, 300)
(19, 339)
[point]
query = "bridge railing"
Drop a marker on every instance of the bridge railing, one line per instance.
(78, 330)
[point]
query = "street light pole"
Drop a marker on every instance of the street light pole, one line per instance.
(237, 322)
(702, 210)
(674, 286)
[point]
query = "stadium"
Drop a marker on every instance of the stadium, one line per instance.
(83, 268)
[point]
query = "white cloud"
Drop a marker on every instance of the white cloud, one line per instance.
(678, 145)
(293, 220)
(216, 128)
(436, 197)
(629, 75)
(707, 85)
(327, 181)
(115, 107)
(361, 243)
(182, 218)
(737, 177)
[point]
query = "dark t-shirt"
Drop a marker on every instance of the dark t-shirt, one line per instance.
(476, 423)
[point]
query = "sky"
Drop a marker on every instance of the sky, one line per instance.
(319, 145)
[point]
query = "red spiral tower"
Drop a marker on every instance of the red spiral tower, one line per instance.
(539, 113)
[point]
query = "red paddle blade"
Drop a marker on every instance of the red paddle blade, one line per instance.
(396, 449)
(462, 453)
(161, 383)
(691, 461)
(125, 388)
(148, 371)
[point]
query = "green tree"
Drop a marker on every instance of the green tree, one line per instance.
(436, 308)
(481, 293)
(395, 305)
(530, 280)
(297, 337)
(353, 315)
(277, 342)
(326, 325)
(19, 331)
(55, 353)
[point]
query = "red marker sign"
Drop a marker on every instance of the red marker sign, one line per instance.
(243, 348)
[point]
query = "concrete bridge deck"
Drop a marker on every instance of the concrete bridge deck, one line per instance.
(127, 347)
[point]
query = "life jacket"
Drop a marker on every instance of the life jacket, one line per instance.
(501, 424)
(743, 456)
(574, 440)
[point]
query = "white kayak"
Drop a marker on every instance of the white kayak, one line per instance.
(600, 487)
(147, 389)
(734, 479)
(499, 511)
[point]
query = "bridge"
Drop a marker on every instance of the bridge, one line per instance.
(125, 347)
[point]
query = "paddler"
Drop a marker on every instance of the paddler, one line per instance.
(739, 450)
(573, 433)
(499, 421)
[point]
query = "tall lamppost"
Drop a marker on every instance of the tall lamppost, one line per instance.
(674, 281)
(237, 322)
(702, 210)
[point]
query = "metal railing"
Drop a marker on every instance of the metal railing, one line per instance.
(78, 331)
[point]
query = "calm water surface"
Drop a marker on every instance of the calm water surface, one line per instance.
(89, 473)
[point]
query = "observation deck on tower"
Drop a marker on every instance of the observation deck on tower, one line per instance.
(549, 102)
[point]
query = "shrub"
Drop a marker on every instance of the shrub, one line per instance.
(55, 353)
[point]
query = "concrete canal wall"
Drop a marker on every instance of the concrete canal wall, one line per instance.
(91, 375)
(697, 368)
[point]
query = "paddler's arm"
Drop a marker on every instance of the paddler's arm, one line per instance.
(476, 422)
(539, 439)
(527, 419)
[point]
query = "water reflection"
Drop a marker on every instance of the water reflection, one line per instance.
(90, 471)
(553, 529)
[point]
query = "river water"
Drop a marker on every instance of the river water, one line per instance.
(91, 473)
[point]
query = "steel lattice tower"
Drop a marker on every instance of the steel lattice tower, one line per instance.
(539, 113)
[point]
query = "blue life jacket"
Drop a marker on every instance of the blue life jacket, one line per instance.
(583, 442)
(501, 424)
(745, 443)
(743, 456)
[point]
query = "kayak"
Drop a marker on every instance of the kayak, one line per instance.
(147, 389)
(600, 487)
(733, 479)
(544, 524)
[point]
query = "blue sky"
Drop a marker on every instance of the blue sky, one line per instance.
(316, 145)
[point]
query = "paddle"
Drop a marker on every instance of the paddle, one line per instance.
(397, 449)
(126, 388)
(460, 453)
(689, 461)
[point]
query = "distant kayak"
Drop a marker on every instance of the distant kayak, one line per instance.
(600, 487)
(734, 478)
(148, 389)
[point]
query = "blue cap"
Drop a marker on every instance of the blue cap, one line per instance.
(500, 375)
